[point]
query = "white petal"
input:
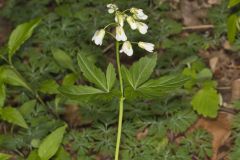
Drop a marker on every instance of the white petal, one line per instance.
(98, 37)
(119, 18)
(110, 10)
(142, 27)
(120, 34)
(147, 46)
(138, 14)
(132, 23)
(127, 48)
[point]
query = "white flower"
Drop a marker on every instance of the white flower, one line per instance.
(147, 46)
(138, 14)
(119, 18)
(142, 27)
(127, 48)
(120, 34)
(98, 36)
(132, 22)
(112, 8)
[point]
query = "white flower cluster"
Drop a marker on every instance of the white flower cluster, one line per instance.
(134, 22)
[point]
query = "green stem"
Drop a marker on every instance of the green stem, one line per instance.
(121, 100)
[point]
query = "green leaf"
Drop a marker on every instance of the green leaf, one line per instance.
(233, 3)
(206, 102)
(9, 76)
(141, 71)
(12, 115)
(181, 121)
(20, 35)
(78, 91)
(232, 27)
(33, 155)
(4, 156)
(69, 79)
(49, 86)
(204, 74)
(62, 155)
(27, 108)
(110, 76)
(63, 59)
(92, 73)
(162, 85)
(2, 94)
(127, 75)
(51, 143)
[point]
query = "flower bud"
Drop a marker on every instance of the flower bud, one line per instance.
(119, 18)
(112, 8)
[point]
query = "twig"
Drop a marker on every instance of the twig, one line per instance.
(199, 27)
(108, 47)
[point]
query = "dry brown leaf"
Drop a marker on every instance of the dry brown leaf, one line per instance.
(235, 90)
(214, 2)
(213, 62)
(219, 128)
(142, 134)
(72, 115)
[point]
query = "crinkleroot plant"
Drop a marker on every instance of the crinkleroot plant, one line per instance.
(134, 17)
(134, 82)
(134, 21)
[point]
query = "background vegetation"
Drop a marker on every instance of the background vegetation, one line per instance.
(187, 34)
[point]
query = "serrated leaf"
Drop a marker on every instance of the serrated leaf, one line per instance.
(63, 59)
(9, 76)
(206, 102)
(51, 143)
(232, 27)
(141, 71)
(49, 86)
(2, 94)
(92, 73)
(4, 156)
(164, 84)
(78, 91)
(127, 75)
(233, 3)
(181, 121)
(12, 115)
(110, 76)
(20, 35)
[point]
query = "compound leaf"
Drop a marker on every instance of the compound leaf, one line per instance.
(92, 73)
(110, 76)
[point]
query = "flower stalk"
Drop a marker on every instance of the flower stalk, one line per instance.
(121, 100)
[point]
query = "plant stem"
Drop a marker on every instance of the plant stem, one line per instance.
(121, 100)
